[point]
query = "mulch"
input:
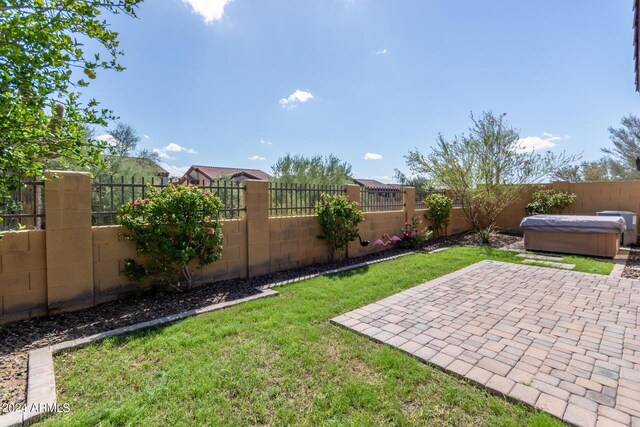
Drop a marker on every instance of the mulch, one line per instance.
(17, 338)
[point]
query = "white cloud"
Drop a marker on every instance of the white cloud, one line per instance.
(296, 98)
(174, 171)
(381, 52)
(266, 142)
(147, 136)
(172, 148)
(373, 156)
(256, 157)
(535, 143)
(210, 10)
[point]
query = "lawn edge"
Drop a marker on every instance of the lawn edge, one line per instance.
(41, 383)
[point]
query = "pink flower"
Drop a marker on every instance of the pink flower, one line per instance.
(326, 203)
(210, 230)
(206, 193)
(147, 200)
(136, 203)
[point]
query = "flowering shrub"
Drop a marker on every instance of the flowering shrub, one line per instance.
(439, 207)
(549, 201)
(339, 221)
(173, 226)
(412, 235)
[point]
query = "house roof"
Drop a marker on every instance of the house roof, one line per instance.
(372, 183)
(636, 41)
(217, 172)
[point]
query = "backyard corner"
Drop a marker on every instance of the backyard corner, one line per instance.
(280, 361)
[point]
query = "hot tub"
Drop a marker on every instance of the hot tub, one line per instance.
(574, 234)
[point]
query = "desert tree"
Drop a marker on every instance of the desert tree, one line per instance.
(43, 67)
(487, 168)
(621, 158)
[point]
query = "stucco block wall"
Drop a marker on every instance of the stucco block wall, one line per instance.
(233, 263)
(72, 265)
(111, 249)
(600, 196)
(509, 219)
(457, 221)
(375, 224)
(591, 198)
(69, 242)
(293, 242)
(23, 274)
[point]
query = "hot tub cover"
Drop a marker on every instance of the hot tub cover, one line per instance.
(574, 223)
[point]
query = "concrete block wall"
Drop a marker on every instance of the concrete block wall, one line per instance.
(72, 265)
(69, 240)
(591, 198)
(600, 196)
(23, 275)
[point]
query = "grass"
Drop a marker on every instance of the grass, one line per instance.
(279, 361)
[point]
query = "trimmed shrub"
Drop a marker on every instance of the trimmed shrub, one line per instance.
(439, 207)
(172, 227)
(339, 221)
(549, 201)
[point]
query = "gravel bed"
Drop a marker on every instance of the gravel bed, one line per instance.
(632, 267)
(17, 338)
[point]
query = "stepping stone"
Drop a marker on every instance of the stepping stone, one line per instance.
(544, 257)
(549, 263)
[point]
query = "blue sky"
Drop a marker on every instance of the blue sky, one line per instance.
(240, 83)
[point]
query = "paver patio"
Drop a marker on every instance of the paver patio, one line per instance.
(565, 342)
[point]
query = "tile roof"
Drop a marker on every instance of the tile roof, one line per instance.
(217, 172)
(372, 183)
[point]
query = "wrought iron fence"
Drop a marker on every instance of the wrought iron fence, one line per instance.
(24, 207)
(422, 194)
(381, 199)
(297, 199)
(108, 195)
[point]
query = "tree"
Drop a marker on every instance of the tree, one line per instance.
(125, 139)
(299, 169)
(419, 182)
(43, 64)
(485, 168)
(621, 159)
(596, 170)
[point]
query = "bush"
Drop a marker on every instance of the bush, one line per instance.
(339, 221)
(412, 235)
(172, 227)
(549, 201)
(485, 235)
(439, 207)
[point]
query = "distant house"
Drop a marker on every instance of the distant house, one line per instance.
(372, 183)
(198, 174)
(382, 190)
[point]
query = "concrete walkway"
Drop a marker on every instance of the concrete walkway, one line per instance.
(565, 342)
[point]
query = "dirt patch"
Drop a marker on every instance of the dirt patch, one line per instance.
(16, 339)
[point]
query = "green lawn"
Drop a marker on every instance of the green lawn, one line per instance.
(279, 361)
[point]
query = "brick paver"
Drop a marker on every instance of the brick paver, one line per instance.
(565, 342)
